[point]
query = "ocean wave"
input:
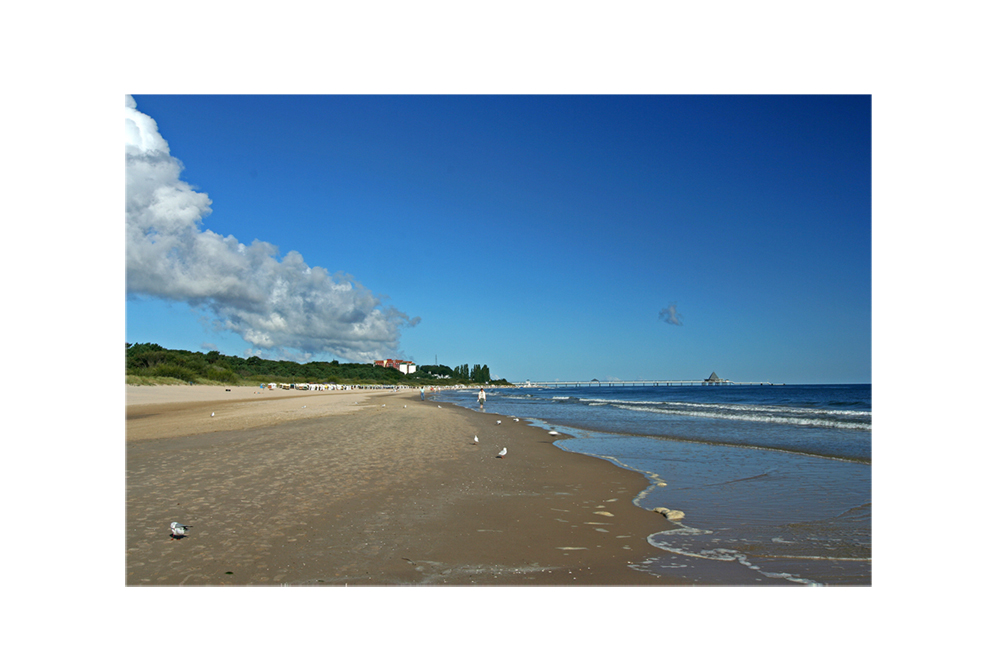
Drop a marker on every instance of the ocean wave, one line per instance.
(759, 415)
(725, 555)
(735, 407)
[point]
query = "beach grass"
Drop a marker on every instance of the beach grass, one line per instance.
(151, 381)
(163, 380)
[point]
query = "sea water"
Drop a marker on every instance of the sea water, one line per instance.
(774, 481)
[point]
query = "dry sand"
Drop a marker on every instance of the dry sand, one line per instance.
(309, 488)
(171, 411)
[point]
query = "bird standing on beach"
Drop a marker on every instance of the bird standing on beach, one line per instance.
(475, 439)
(503, 453)
(213, 414)
(498, 421)
(178, 530)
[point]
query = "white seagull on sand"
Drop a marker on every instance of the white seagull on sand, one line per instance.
(213, 414)
(503, 453)
(475, 439)
(498, 421)
(178, 529)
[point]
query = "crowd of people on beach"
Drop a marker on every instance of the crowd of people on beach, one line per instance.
(368, 387)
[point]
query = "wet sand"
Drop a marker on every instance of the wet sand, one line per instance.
(368, 488)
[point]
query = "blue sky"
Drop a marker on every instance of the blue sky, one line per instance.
(549, 237)
(766, 312)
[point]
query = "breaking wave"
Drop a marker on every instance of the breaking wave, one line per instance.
(842, 419)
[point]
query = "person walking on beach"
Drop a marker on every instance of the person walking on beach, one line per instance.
(421, 393)
(482, 399)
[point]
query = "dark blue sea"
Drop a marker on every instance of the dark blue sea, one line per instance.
(774, 481)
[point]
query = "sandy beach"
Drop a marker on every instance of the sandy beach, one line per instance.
(368, 488)
(171, 411)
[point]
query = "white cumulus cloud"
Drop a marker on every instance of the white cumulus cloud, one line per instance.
(275, 304)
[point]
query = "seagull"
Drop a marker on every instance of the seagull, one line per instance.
(553, 432)
(498, 421)
(475, 439)
(178, 530)
(503, 453)
(213, 414)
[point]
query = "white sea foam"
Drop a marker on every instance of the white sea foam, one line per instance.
(711, 409)
(761, 416)
(724, 555)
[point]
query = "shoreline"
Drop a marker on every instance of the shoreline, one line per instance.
(750, 514)
(390, 491)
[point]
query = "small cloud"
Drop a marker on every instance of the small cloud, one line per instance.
(670, 315)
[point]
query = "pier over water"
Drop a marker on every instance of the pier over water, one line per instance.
(643, 383)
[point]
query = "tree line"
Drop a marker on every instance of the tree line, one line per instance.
(149, 360)
(478, 374)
